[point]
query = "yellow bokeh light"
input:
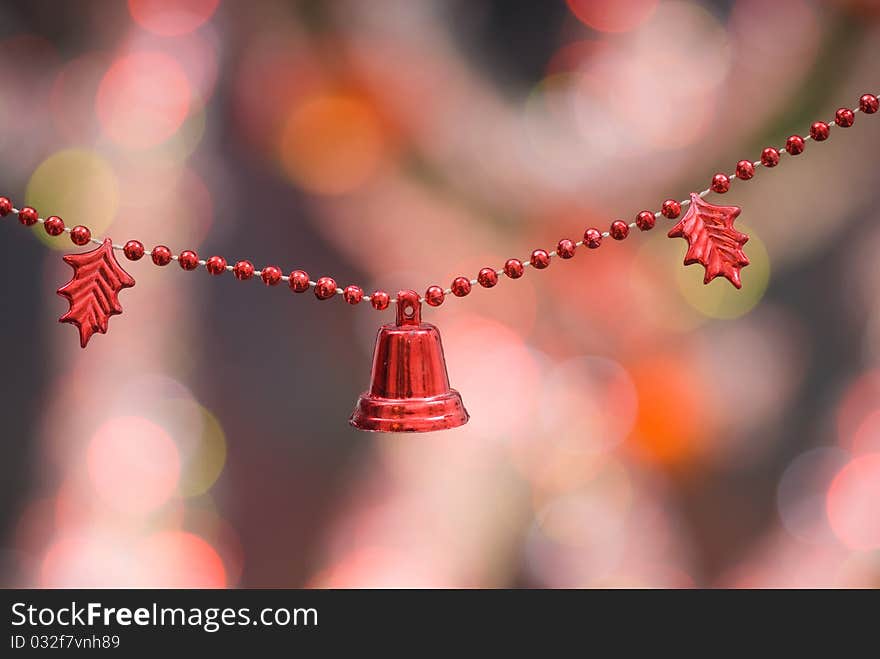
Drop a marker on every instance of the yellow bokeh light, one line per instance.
(206, 462)
(79, 186)
(719, 299)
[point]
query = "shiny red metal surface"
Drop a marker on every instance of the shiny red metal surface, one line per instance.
(93, 293)
(409, 387)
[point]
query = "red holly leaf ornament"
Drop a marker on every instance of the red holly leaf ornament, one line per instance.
(712, 240)
(92, 293)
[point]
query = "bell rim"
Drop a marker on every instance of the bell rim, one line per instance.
(368, 417)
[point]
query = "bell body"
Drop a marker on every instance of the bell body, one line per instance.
(409, 389)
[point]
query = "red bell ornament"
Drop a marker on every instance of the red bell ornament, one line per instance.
(409, 389)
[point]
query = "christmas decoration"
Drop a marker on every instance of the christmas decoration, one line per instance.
(712, 240)
(410, 388)
(93, 291)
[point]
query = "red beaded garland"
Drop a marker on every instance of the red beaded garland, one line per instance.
(745, 169)
(513, 268)
(461, 286)
(80, 235)
(795, 145)
(869, 104)
(434, 296)
(844, 117)
(243, 270)
(380, 300)
(325, 288)
(769, 157)
(819, 131)
(645, 220)
(28, 216)
(619, 230)
(133, 250)
(299, 281)
(271, 275)
(565, 248)
(188, 259)
(487, 277)
(720, 183)
(671, 209)
(54, 225)
(353, 294)
(539, 259)
(216, 265)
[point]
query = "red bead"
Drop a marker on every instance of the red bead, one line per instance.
(434, 296)
(513, 268)
(299, 281)
(769, 157)
(80, 235)
(565, 248)
(353, 294)
(671, 209)
(645, 220)
(27, 216)
(461, 286)
(819, 131)
(794, 145)
(325, 288)
(161, 255)
(216, 265)
(271, 275)
(844, 117)
(133, 250)
(619, 230)
(592, 238)
(188, 259)
(487, 277)
(380, 300)
(720, 183)
(5, 206)
(539, 259)
(54, 225)
(243, 270)
(745, 169)
(869, 104)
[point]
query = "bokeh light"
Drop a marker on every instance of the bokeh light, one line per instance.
(177, 559)
(612, 15)
(204, 464)
(67, 184)
(133, 464)
(95, 561)
(852, 503)
(674, 411)
(73, 93)
(332, 144)
(172, 18)
(802, 491)
(143, 99)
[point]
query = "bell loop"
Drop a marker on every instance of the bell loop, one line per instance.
(409, 309)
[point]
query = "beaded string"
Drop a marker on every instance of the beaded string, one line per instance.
(326, 288)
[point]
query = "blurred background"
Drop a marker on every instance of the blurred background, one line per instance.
(629, 426)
